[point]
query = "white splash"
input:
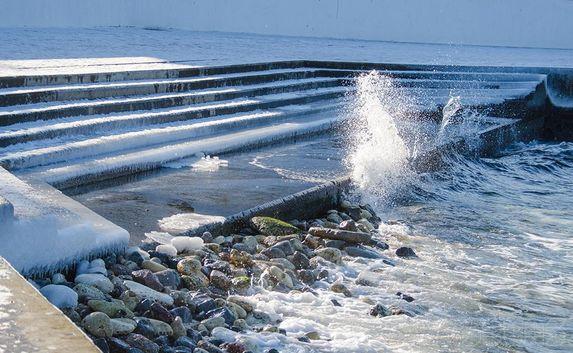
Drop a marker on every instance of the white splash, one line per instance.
(378, 155)
(449, 112)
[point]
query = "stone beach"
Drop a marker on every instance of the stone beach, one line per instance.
(194, 295)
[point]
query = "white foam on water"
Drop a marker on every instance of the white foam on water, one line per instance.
(182, 222)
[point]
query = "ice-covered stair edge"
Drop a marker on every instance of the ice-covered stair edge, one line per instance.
(49, 231)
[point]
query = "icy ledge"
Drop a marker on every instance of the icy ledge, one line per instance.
(50, 231)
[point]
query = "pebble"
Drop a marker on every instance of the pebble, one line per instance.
(405, 252)
(122, 327)
(113, 308)
(220, 280)
(60, 296)
(405, 296)
(340, 288)
(178, 329)
(98, 324)
(153, 266)
(330, 254)
(97, 280)
(213, 322)
(87, 292)
(338, 234)
(148, 279)
(189, 266)
(146, 292)
(368, 278)
(300, 260)
(141, 342)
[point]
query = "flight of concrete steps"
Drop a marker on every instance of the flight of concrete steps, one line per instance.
(69, 130)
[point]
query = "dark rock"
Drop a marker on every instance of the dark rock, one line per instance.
(405, 296)
(235, 347)
(101, 343)
(166, 349)
(322, 274)
(300, 261)
(162, 341)
(120, 270)
(136, 257)
(169, 278)
(273, 253)
(203, 303)
(306, 276)
(379, 310)
(341, 288)
(348, 225)
(304, 339)
(117, 345)
(144, 305)
(223, 312)
(359, 251)
(147, 278)
(145, 328)
(185, 342)
(183, 312)
(338, 234)
(140, 342)
(220, 280)
(194, 335)
(285, 246)
(209, 347)
(159, 312)
(405, 252)
(335, 302)
(338, 244)
(380, 245)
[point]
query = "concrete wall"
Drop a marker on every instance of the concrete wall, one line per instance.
(529, 23)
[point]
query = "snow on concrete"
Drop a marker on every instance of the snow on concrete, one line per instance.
(182, 47)
(51, 231)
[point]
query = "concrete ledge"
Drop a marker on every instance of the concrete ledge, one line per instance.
(6, 211)
(29, 323)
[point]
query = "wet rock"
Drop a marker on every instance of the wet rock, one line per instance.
(140, 342)
(147, 278)
(241, 258)
(207, 347)
(185, 341)
(272, 227)
(220, 280)
(242, 302)
(285, 246)
(189, 266)
(101, 344)
(340, 288)
(136, 257)
(117, 345)
(338, 234)
(194, 282)
(60, 296)
(72, 315)
(145, 328)
(213, 322)
(144, 305)
(202, 303)
(313, 335)
(359, 251)
(338, 244)
(405, 297)
(207, 237)
(368, 278)
(273, 253)
(380, 311)
(121, 270)
(153, 266)
(159, 312)
(98, 324)
(364, 225)
(307, 276)
(334, 217)
(58, 278)
(178, 328)
(301, 339)
(380, 245)
(237, 310)
(146, 292)
(130, 299)
(300, 260)
(312, 241)
(183, 312)
(223, 312)
(348, 225)
(161, 328)
(335, 302)
(330, 254)
(405, 252)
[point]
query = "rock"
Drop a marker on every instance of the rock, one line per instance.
(145, 328)
(334, 217)
(185, 341)
(339, 244)
(130, 299)
(241, 259)
(330, 254)
(97, 280)
(152, 266)
(285, 246)
(169, 278)
(98, 324)
(242, 302)
(146, 292)
(195, 281)
(202, 303)
(58, 278)
(60, 296)
(335, 302)
(405, 296)
(178, 329)
(117, 345)
(273, 253)
(207, 237)
(185, 244)
(405, 252)
(161, 328)
(223, 312)
(122, 270)
(348, 225)
(159, 312)
(140, 342)
(272, 227)
(280, 276)
(114, 308)
(240, 325)
(368, 278)
(166, 249)
(213, 322)
(251, 243)
(380, 311)
(380, 245)
(220, 280)
(364, 225)
(237, 310)
(72, 315)
(338, 234)
(313, 335)
(183, 312)
(148, 279)
(306, 276)
(122, 327)
(300, 261)
(189, 266)
(87, 292)
(340, 288)
(359, 251)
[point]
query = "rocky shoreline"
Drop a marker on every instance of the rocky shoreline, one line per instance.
(192, 294)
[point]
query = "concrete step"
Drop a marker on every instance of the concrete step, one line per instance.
(55, 151)
(88, 125)
(68, 174)
(53, 110)
(19, 96)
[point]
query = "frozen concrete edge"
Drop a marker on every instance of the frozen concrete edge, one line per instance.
(31, 324)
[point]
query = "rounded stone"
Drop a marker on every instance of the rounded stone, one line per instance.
(189, 266)
(98, 324)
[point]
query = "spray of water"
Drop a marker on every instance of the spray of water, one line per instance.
(377, 155)
(450, 110)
